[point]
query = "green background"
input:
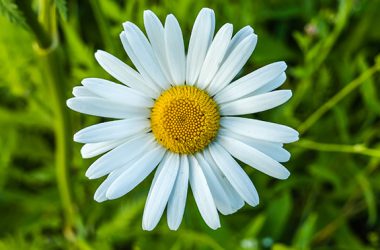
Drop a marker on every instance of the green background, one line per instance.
(330, 201)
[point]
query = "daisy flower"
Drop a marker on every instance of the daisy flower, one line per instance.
(179, 114)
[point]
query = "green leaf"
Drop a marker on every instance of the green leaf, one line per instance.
(275, 221)
(121, 221)
(305, 233)
(369, 197)
(10, 10)
(62, 8)
(255, 226)
(368, 89)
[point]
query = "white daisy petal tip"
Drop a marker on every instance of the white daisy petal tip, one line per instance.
(286, 94)
(98, 53)
(207, 11)
(251, 40)
(148, 12)
(286, 175)
(229, 27)
(71, 103)
(128, 25)
(254, 41)
(256, 203)
(123, 37)
(173, 227)
(77, 137)
(175, 50)
(202, 194)
(284, 64)
(113, 194)
(249, 29)
(99, 198)
(147, 227)
(161, 188)
(281, 65)
(171, 17)
(150, 17)
(256, 103)
(68, 102)
(90, 175)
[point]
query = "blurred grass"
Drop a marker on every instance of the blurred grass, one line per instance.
(331, 200)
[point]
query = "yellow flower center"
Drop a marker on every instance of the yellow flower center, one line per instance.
(185, 119)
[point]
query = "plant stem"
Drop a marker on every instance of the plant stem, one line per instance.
(103, 26)
(336, 98)
(43, 39)
(327, 147)
(45, 31)
(62, 126)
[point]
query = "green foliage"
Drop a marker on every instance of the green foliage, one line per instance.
(9, 9)
(331, 200)
(62, 8)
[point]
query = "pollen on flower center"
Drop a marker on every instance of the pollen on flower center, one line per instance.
(185, 119)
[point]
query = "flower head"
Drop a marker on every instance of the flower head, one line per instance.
(179, 115)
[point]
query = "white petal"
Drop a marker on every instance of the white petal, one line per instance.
(274, 84)
(202, 195)
(200, 39)
(251, 82)
(177, 200)
(105, 108)
(134, 58)
(120, 156)
(274, 150)
(254, 158)
(112, 130)
(235, 174)
(160, 190)
(82, 91)
(219, 194)
(259, 129)
(156, 35)
(215, 55)
(175, 50)
(233, 64)
(100, 193)
(238, 37)
(117, 92)
(235, 200)
(124, 73)
(255, 104)
(90, 150)
(136, 173)
(147, 62)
